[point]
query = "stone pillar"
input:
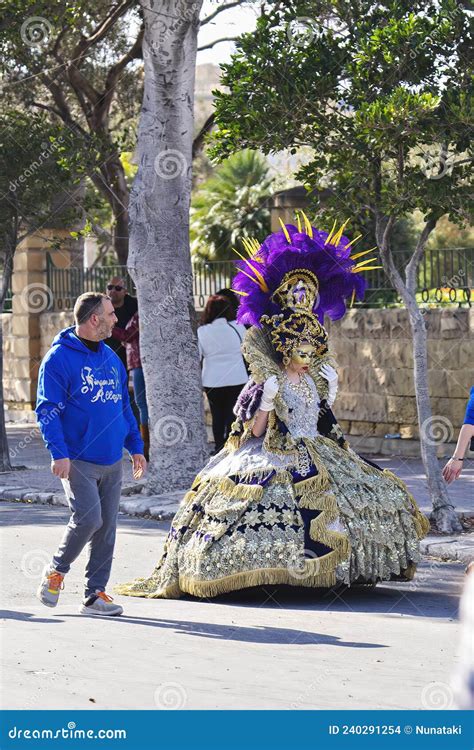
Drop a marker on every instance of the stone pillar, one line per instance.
(31, 297)
(283, 205)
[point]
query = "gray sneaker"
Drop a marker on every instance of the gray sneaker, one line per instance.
(50, 586)
(100, 604)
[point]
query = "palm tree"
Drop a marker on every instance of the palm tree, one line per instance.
(233, 203)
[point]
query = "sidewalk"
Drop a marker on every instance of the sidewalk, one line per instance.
(34, 483)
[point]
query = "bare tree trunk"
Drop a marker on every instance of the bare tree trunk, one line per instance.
(443, 515)
(5, 463)
(112, 184)
(10, 242)
(159, 259)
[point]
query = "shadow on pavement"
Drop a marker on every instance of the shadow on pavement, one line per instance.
(243, 634)
(11, 614)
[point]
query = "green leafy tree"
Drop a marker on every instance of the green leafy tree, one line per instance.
(72, 61)
(381, 93)
(81, 62)
(34, 160)
(233, 203)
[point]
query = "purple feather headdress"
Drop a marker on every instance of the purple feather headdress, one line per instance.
(326, 255)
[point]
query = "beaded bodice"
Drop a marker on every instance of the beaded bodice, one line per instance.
(303, 407)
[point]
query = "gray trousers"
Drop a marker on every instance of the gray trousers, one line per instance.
(93, 494)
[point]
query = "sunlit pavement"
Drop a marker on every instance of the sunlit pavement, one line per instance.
(389, 647)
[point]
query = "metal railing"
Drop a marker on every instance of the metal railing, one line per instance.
(445, 276)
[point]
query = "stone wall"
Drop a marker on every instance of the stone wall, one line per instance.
(31, 297)
(376, 395)
(373, 349)
(51, 324)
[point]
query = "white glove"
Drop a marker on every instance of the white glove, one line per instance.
(330, 374)
(270, 390)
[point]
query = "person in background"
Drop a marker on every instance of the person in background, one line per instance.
(463, 677)
(125, 306)
(130, 338)
(223, 368)
(453, 468)
(232, 299)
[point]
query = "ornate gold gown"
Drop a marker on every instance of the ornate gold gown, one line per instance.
(297, 506)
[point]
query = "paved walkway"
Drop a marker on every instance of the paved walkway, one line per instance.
(34, 483)
(392, 647)
(27, 449)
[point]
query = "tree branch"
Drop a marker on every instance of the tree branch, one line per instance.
(103, 105)
(198, 142)
(101, 30)
(217, 41)
(47, 108)
(219, 10)
(414, 262)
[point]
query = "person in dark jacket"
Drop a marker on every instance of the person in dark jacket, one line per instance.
(125, 306)
(130, 338)
(85, 418)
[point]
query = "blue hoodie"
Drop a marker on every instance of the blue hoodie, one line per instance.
(469, 418)
(82, 405)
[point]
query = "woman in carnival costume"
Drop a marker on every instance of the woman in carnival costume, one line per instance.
(287, 500)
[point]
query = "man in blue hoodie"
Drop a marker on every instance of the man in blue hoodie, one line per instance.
(85, 418)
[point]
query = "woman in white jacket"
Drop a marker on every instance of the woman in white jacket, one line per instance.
(223, 369)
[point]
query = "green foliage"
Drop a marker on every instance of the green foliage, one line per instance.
(229, 205)
(34, 157)
(70, 61)
(380, 92)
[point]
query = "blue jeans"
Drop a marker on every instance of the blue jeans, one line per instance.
(140, 395)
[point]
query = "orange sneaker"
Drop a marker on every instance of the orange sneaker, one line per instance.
(100, 604)
(50, 587)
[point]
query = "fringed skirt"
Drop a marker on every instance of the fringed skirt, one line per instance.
(254, 518)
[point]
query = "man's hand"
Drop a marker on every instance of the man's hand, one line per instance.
(452, 470)
(61, 467)
(139, 465)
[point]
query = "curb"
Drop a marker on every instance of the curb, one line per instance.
(457, 549)
(163, 507)
(159, 507)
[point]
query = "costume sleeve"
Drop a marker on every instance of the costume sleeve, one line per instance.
(133, 441)
(328, 425)
(469, 418)
(51, 399)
